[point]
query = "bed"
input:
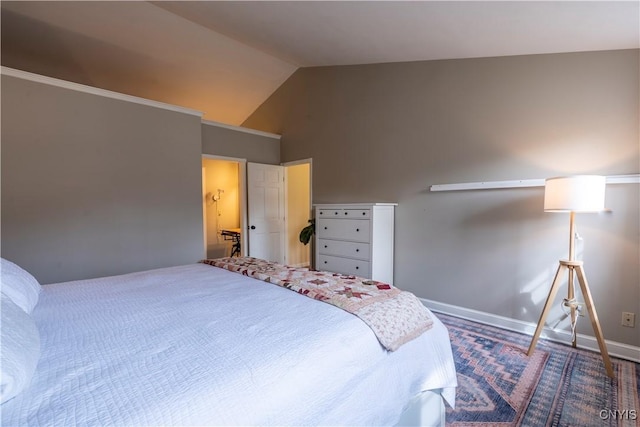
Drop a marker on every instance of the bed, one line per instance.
(200, 345)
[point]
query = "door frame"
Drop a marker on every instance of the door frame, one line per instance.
(242, 199)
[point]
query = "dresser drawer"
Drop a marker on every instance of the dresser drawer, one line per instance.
(348, 266)
(344, 249)
(356, 213)
(356, 230)
(345, 213)
(330, 213)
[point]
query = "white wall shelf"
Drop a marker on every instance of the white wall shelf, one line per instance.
(522, 183)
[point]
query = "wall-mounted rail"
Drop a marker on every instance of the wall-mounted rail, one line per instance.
(520, 183)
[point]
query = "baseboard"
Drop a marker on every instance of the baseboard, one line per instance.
(623, 351)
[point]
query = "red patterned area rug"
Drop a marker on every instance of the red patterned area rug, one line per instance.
(498, 385)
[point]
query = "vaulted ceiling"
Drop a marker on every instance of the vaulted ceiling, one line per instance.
(226, 57)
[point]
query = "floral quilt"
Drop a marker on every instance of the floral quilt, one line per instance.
(395, 316)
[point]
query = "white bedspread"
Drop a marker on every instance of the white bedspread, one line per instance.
(203, 346)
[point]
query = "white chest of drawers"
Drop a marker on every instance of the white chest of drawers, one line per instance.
(356, 239)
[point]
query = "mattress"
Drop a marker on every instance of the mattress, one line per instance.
(198, 345)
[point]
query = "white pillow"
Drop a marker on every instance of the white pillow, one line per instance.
(19, 285)
(20, 349)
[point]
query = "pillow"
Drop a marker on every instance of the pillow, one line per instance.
(20, 349)
(19, 285)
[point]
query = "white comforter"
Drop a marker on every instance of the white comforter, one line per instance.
(200, 345)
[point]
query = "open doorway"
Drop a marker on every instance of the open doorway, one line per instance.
(298, 211)
(223, 205)
(226, 218)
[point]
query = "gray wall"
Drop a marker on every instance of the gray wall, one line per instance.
(387, 132)
(221, 141)
(93, 186)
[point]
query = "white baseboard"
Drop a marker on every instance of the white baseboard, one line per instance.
(623, 351)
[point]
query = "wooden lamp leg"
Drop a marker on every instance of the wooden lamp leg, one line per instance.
(570, 287)
(547, 306)
(595, 323)
(571, 299)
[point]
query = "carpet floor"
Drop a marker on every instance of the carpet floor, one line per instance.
(499, 385)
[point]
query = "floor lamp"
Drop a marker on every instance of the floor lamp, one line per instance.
(583, 193)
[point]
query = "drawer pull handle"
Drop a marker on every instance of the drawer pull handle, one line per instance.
(357, 229)
(336, 213)
(325, 262)
(325, 228)
(364, 213)
(357, 267)
(346, 213)
(357, 250)
(321, 213)
(325, 246)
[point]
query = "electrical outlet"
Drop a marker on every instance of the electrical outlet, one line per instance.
(628, 319)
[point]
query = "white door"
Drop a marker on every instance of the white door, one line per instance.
(266, 208)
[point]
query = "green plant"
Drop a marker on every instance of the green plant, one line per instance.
(307, 232)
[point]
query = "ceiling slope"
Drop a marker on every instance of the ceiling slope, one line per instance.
(226, 58)
(139, 49)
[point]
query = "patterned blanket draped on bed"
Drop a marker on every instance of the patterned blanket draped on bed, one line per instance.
(395, 316)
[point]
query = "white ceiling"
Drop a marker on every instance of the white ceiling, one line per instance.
(365, 32)
(226, 57)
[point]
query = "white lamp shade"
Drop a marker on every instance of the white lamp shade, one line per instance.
(581, 193)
